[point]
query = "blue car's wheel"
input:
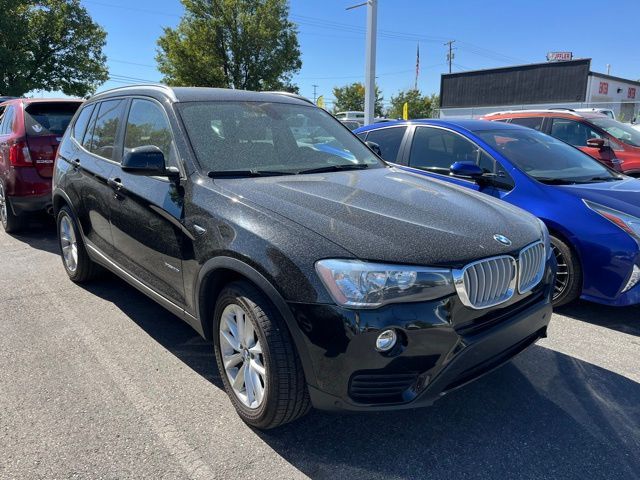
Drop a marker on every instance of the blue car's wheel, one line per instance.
(569, 276)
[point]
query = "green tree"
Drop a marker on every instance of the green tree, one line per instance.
(420, 106)
(244, 44)
(50, 45)
(351, 97)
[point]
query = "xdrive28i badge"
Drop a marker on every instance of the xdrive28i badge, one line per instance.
(502, 239)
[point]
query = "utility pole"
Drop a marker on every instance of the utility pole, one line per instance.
(450, 55)
(370, 60)
(314, 92)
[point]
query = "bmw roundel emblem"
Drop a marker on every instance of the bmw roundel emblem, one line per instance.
(502, 239)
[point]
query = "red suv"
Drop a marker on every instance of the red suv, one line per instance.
(613, 143)
(30, 131)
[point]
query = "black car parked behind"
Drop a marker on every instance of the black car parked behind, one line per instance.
(323, 276)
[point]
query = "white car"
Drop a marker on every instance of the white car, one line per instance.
(605, 111)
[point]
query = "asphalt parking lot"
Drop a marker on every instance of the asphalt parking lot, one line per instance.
(100, 382)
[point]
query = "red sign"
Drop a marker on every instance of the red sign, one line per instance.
(631, 93)
(604, 88)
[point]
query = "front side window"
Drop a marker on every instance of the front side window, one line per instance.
(545, 158)
(389, 140)
(436, 149)
(270, 137)
(103, 138)
(530, 122)
(148, 125)
(572, 132)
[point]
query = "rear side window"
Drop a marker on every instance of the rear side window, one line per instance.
(389, 140)
(7, 121)
(148, 125)
(363, 136)
(80, 126)
(103, 138)
(531, 122)
(42, 118)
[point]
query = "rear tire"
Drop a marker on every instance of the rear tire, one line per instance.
(75, 259)
(10, 222)
(276, 392)
(568, 284)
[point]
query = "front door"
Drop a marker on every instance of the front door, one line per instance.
(147, 212)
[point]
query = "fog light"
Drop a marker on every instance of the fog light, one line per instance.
(386, 341)
(635, 276)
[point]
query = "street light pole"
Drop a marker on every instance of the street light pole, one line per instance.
(370, 63)
(370, 60)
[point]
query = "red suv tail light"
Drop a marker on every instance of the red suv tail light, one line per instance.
(19, 155)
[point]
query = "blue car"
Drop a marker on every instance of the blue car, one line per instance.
(592, 212)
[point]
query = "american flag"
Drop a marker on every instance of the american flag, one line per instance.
(417, 67)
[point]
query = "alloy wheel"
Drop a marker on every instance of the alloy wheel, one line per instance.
(3, 206)
(562, 276)
(69, 244)
(242, 356)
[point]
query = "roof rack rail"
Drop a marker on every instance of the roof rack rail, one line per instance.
(159, 86)
(568, 111)
(292, 95)
(562, 108)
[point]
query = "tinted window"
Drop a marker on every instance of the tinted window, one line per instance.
(53, 118)
(531, 122)
(148, 125)
(7, 121)
(389, 140)
(545, 158)
(363, 136)
(269, 137)
(80, 125)
(437, 149)
(572, 132)
(102, 140)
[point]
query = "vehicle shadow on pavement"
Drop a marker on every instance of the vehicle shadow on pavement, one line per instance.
(622, 319)
(39, 233)
(164, 327)
(546, 415)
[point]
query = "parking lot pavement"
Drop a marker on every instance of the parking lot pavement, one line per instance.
(100, 382)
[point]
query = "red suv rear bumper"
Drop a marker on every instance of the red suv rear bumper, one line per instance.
(26, 190)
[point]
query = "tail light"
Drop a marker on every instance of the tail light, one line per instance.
(19, 155)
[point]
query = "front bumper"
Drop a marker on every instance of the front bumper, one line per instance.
(442, 346)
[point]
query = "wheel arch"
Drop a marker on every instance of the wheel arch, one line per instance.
(218, 272)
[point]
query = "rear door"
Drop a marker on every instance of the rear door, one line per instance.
(44, 125)
(147, 212)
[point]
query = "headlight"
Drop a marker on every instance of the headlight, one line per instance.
(626, 222)
(357, 284)
(545, 238)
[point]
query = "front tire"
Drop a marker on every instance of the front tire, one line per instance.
(75, 259)
(568, 284)
(10, 222)
(257, 359)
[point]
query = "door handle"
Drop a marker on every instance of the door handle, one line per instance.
(76, 163)
(116, 185)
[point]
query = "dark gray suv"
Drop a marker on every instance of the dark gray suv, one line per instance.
(324, 276)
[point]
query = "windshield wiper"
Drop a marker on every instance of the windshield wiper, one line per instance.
(557, 181)
(604, 179)
(246, 173)
(336, 168)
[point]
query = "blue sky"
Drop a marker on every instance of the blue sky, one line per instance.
(489, 33)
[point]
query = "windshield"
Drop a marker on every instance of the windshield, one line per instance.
(546, 159)
(622, 132)
(270, 137)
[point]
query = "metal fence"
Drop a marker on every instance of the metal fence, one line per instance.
(624, 111)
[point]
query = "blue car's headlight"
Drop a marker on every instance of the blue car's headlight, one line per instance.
(357, 284)
(626, 222)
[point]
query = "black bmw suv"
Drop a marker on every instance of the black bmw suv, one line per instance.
(324, 276)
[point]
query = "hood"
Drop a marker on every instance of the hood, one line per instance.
(386, 214)
(623, 195)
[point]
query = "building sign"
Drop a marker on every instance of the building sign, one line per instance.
(631, 93)
(604, 88)
(559, 56)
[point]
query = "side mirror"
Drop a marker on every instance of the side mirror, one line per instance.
(466, 169)
(596, 143)
(375, 148)
(146, 160)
